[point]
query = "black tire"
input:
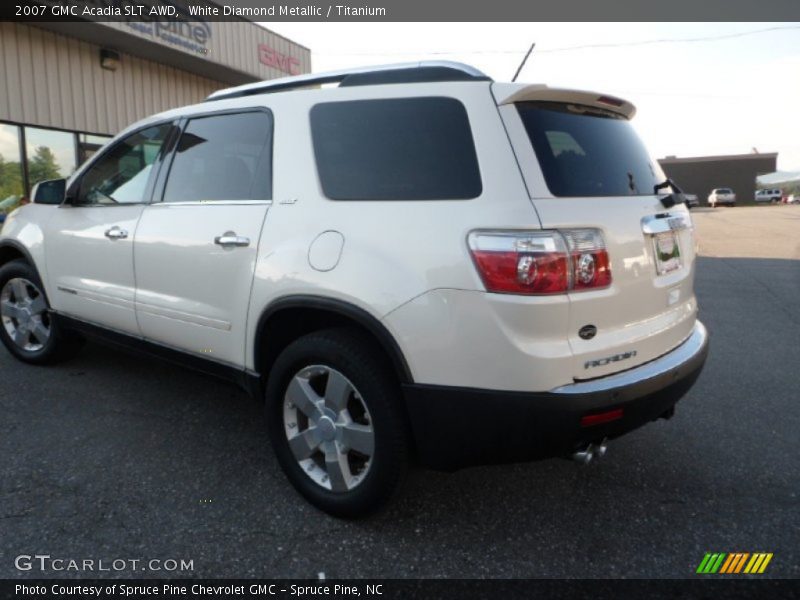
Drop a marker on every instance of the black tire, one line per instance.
(374, 386)
(60, 343)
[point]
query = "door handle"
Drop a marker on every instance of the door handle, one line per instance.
(229, 239)
(115, 233)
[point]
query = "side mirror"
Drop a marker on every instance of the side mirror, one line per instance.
(49, 192)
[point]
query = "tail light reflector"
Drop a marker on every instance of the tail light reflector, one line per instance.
(541, 262)
(600, 418)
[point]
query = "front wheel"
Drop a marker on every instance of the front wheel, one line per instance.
(29, 330)
(334, 412)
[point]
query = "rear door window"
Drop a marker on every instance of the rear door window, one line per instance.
(585, 151)
(223, 157)
(395, 149)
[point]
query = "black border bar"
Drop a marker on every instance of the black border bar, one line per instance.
(391, 589)
(401, 10)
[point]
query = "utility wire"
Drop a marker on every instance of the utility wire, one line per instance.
(712, 38)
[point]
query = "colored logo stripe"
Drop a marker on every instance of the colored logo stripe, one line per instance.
(711, 563)
(758, 563)
(734, 562)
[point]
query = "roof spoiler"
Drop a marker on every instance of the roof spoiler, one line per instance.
(509, 93)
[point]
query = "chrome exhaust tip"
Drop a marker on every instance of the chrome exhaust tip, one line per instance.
(583, 457)
(601, 449)
(591, 451)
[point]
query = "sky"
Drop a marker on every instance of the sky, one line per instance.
(726, 95)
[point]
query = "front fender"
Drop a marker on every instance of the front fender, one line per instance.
(23, 231)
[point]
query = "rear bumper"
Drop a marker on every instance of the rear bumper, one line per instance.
(458, 427)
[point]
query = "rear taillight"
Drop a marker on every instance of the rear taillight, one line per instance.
(541, 262)
(590, 267)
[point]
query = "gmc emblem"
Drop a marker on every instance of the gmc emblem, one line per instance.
(283, 62)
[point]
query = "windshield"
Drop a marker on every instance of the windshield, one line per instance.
(585, 151)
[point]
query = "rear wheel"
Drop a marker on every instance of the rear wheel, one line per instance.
(336, 422)
(29, 330)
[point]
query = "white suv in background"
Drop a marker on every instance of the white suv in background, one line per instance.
(772, 196)
(721, 196)
(417, 266)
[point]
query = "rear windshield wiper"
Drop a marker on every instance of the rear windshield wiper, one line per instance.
(670, 200)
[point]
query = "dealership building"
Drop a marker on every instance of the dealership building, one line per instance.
(701, 174)
(66, 88)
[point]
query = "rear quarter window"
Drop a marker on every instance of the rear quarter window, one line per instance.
(395, 149)
(584, 151)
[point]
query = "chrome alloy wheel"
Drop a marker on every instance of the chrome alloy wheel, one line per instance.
(329, 428)
(24, 314)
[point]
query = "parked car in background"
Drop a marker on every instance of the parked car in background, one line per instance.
(770, 195)
(692, 201)
(791, 199)
(721, 196)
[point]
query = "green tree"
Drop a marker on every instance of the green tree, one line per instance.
(10, 178)
(43, 165)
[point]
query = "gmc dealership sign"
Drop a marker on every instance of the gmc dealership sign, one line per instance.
(277, 60)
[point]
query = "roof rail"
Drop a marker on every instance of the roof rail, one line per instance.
(414, 72)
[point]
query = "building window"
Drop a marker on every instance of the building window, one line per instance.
(89, 144)
(11, 184)
(50, 154)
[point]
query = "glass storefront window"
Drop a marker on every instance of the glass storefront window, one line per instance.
(89, 144)
(11, 185)
(51, 154)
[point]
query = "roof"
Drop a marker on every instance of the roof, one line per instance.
(719, 158)
(778, 177)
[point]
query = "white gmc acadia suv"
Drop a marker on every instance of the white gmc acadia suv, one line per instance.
(417, 266)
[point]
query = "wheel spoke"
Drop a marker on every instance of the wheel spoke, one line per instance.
(20, 290)
(359, 438)
(10, 309)
(337, 467)
(21, 338)
(337, 392)
(304, 397)
(40, 332)
(38, 305)
(304, 444)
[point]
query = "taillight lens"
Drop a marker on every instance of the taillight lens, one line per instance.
(590, 266)
(541, 262)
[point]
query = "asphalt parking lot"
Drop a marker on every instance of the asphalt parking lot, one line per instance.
(112, 456)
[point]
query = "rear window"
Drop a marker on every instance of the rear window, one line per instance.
(585, 151)
(395, 149)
